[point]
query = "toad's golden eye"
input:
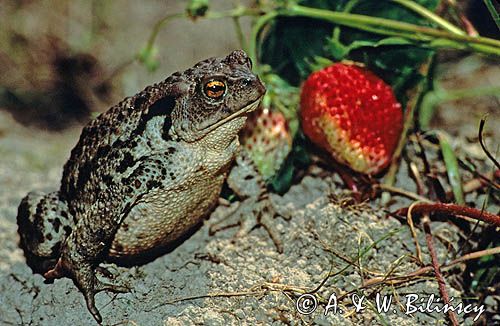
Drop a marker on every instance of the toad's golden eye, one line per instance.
(215, 89)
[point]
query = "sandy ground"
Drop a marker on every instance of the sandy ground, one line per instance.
(247, 278)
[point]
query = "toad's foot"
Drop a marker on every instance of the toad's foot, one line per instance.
(248, 215)
(256, 208)
(85, 279)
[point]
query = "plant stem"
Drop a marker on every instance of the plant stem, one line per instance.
(351, 19)
(437, 269)
(424, 12)
(258, 25)
(411, 106)
(453, 38)
(234, 13)
(347, 8)
(239, 33)
(413, 32)
(454, 210)
(403, 192)
(493, 12)
(483, 146)
(158, 26)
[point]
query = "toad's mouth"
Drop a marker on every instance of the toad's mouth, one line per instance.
(241, 112)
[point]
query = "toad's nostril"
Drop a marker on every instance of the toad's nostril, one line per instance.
(247, 82)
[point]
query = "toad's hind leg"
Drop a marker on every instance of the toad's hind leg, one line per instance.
(44, 224)
(86, 246)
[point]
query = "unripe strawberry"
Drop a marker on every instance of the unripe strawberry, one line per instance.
(267, 140)
(353, 114)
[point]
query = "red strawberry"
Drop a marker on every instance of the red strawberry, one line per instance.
(267, 140)
(353, 114)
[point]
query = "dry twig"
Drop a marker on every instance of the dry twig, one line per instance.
(452, 209)
(437, 271)
(409, 219)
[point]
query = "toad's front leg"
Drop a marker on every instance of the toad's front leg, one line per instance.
(247, 183)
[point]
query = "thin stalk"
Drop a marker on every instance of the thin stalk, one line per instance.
(236, 12)
(347, 8)
(403, 192)
(457, 15)
(347, 18)
(437, 269)
(483, 146)
(239, 33)
(460, 211)
(493, 12)
(259, 24)
(411, 106)
(429, 15)
(233, 13)
(382, 26)
(159, 25)
(414, 32)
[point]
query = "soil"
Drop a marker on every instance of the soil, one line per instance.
(245, 277)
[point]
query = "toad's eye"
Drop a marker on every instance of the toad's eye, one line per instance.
(215, 89)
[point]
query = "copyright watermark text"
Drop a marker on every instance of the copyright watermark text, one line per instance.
(307, 303)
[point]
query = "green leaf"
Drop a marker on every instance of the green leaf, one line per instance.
(427, 109)
(337, 50)
(197, 8)
(320, 63)
(451, 163)
(393, 40)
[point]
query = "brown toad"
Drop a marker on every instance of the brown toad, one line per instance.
(142, 174)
